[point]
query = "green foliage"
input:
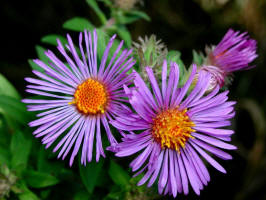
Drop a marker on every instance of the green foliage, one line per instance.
(20, 149)
(101, 45)
(93, 4)
(118, 174)
(89, 174)
(81, 195)
(13, 111)
(11, 108)
(124, 35)
(41, 54)
(26, 194)
(78, 24)
(4, 155)
(37, 179)
(175, 56)
(7, 89)
(129, 17)
(139, 15)
(52, 39)
(34, 66)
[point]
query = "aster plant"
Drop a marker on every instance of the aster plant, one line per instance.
(170, 122)
(171, 130)
(77, 97)
(235, 52)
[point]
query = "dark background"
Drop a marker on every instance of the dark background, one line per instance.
(182, 25)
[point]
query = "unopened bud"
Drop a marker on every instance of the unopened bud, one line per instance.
(152, 53)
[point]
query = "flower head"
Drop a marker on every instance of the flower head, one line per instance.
(233, 53)
(176, 129)
(79, 96)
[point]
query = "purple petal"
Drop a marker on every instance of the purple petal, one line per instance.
(210, 160)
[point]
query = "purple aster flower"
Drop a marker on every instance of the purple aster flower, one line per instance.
(79, 96)
(176, 130)
(233, 53)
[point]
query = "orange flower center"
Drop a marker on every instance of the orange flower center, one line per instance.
(90, 97)
(172, 128)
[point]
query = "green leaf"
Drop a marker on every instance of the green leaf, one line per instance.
(131, 17)
(118, 174)
(113, 49)
(140, 14)
(34, 66)
(78, 24)
(101, 44)
(20, 150)
(81, 195)
(108, 2)
(93, 4)
(7, 89)
(26, 194)
(102, 36)
(45, 165)
(41, 54)
(90, 174)
(124, 35)
(126, 19)
(44, 194)
(4, 156)
(183, 74)
(115, 194)
(52, 39)
(37, 179)
(175, 56)
(103, 39)
(13, 109)
(5, 137)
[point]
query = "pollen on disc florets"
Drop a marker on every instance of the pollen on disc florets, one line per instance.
(91, 97)
(172, 128)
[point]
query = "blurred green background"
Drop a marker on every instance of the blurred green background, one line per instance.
(182, 25)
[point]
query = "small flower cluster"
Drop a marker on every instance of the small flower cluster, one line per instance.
(172, 129)
(233, 53)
